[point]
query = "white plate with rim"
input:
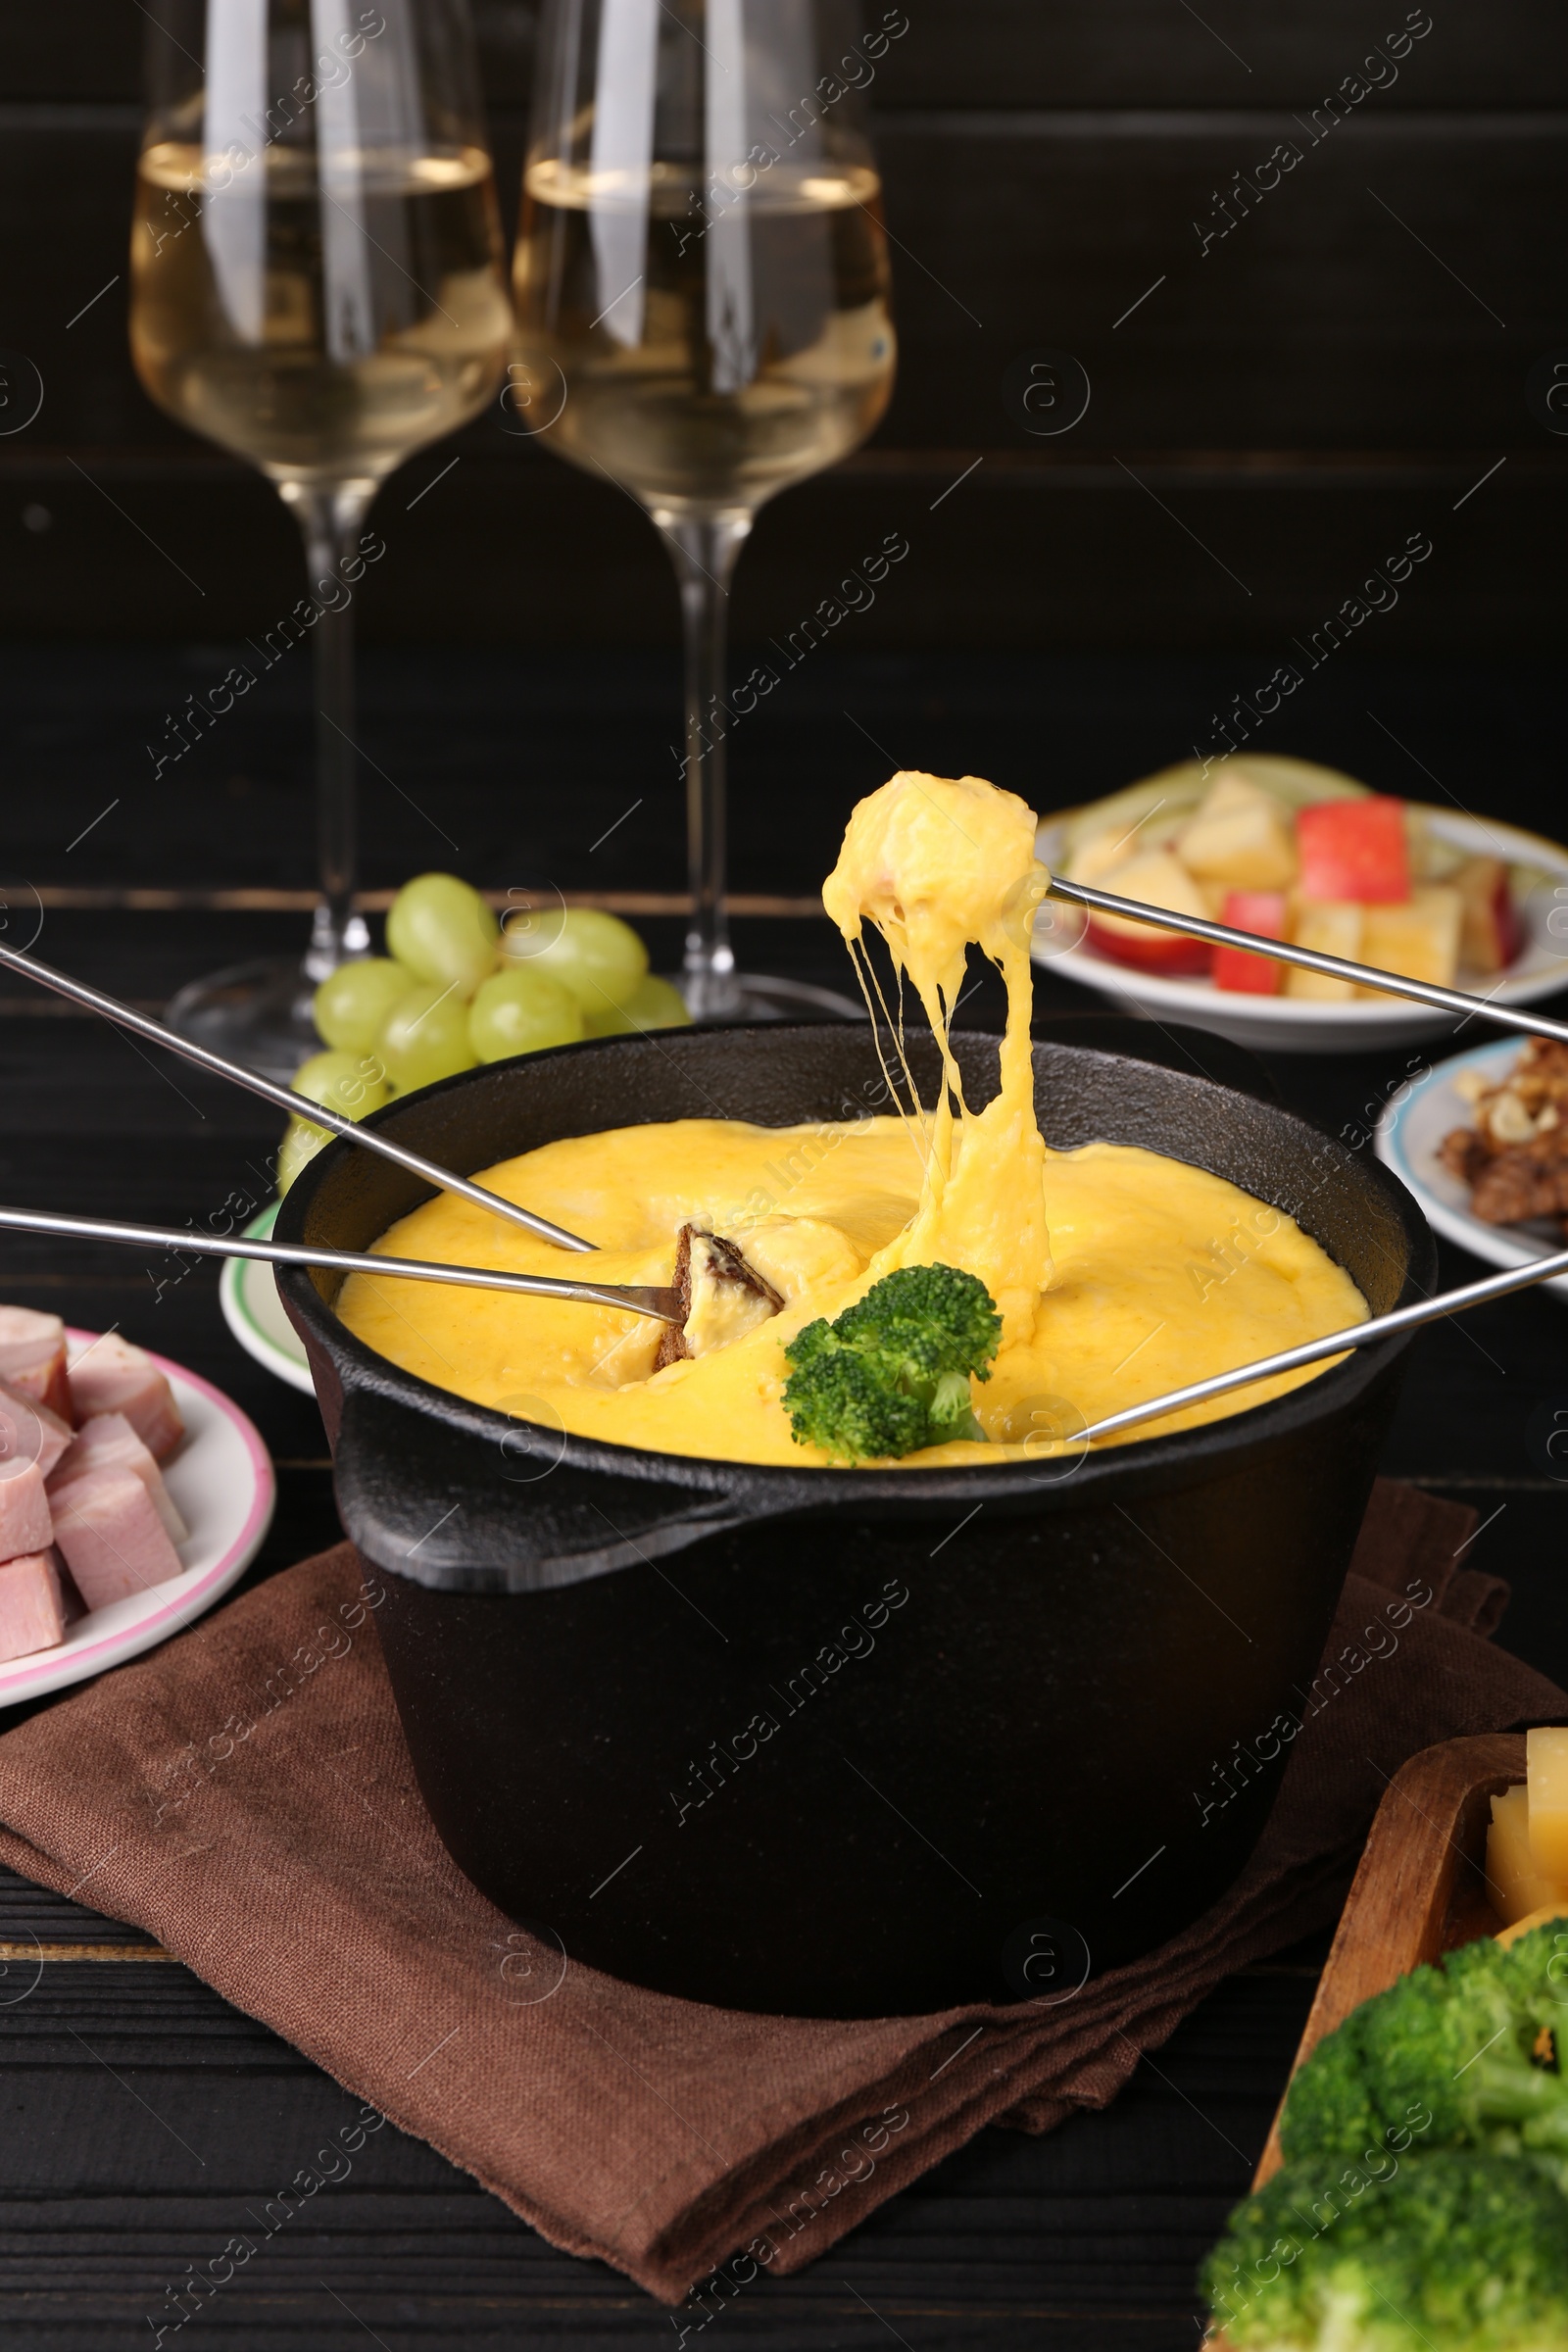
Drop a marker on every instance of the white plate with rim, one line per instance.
(247, 1293)
(1407, 1138)
(220, 1478)
(1300, 1025)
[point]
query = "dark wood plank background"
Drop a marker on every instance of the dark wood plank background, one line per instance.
(1334, 374)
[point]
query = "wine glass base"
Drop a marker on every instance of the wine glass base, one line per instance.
(257, 1014)
(754, 997)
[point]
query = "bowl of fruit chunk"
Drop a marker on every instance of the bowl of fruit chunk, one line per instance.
(1293, 852)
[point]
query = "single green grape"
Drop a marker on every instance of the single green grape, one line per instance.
(351, 1084)
(654, 1003)
(301, 1143)
(426, 1036)
(595, 955)
(521, 1011)
(351, 1004)
(443, 930)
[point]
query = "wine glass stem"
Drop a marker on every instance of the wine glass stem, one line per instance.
(329, 515)
(705, 549)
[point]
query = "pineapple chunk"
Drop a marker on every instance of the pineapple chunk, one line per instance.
(1240, 837)
(1094, 859)
(1517, 1884)
(1329, 927)
(1547, 1764)
(1420, 938)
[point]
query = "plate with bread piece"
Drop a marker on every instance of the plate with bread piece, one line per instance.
(132, 1496)
(1482, 1141)
(1291, 851)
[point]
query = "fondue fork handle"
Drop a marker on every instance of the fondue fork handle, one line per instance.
(1337, 968)
(1335, 1343)
(664, 1306)
(298, 1105)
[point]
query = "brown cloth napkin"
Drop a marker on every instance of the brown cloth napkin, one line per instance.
(244, 1794)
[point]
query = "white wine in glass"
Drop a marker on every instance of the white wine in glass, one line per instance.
(702, 259)
(316, 284)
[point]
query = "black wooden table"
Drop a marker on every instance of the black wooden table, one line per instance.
(143, 2119)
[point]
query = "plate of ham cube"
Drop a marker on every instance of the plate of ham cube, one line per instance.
(132, 1496)
(1290, 850)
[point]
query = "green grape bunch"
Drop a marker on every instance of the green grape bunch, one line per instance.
(455, 990)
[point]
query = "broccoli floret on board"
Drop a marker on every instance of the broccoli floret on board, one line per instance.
(1464, 2055)
(1422, 2203)
(892, 1373)
(1455, 2250)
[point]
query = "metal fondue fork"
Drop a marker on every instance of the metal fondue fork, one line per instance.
(662, 1305)
(299, 1105)
(1338, 967)
(1334, 1343)
(1359, 1335)
(665, 1304)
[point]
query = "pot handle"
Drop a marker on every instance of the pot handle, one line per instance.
(457, 1511)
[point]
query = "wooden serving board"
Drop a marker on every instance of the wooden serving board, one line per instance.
(1421, 1886)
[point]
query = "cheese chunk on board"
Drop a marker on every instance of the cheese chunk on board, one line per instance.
(1516, 1928)
(1546, 1767)
(1517, 1884)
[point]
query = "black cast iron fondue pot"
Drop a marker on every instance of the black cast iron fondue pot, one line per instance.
(848, 1742)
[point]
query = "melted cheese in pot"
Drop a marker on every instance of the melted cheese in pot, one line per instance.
(1161, 1272)
(1119, 1273)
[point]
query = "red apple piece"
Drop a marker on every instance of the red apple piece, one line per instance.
(1354, 850)
(1491, 934)
(1155, 879)
(1263, 911)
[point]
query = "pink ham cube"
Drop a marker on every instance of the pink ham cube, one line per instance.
(114, 1541)
(32, 1358)
(24, 1334)
(109, 1443)
(114, 1377)
(25, 1521)
(29, 1431)
(32, 1611)
(71, 1600)
(49, 1384)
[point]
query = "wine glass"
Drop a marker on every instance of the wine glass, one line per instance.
(316, 284)
(702, 264)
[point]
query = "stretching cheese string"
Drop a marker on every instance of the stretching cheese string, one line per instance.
(934, 864)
